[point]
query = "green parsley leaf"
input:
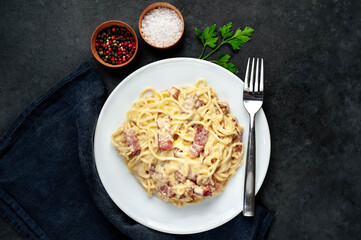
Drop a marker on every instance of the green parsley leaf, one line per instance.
(223, 58)
(226, 30)
(210, 36)
(240, 37)
(200, 35)
(223, 61)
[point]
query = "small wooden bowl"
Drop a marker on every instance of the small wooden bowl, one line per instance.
(108, 24)
(154, 6)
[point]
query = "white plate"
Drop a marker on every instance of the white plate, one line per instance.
(126, 191)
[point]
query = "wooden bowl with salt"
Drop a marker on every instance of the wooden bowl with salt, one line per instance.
(161, 25)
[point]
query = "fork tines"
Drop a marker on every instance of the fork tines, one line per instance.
(254, 84)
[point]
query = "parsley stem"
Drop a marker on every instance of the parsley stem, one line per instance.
(204, 48)
(209, 54)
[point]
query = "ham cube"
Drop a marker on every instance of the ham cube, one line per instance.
(131, 142)
(200, 140)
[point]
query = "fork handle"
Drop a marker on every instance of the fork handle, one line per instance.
(249, 183)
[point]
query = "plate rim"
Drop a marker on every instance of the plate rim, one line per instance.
(101, 116)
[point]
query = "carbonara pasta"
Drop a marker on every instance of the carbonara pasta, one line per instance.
(182, 143)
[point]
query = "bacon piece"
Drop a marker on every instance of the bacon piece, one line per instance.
(239, 139)
(199, 103)
(218, 187)
(223, 107)
(151, 171)
(179, 176)
(189, 102)
(131, 141)
(167, 191)
(165, 139)
(174, 92)
(190, 193)
(177, 152)
(205, 182)
(192, 177)
(207, 192)
(239, 148)
(159, 176)
(198, 190)
(200, 139)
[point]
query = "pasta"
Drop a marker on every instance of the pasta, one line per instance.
(181, 143)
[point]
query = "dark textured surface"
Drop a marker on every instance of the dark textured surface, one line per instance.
(312, 53)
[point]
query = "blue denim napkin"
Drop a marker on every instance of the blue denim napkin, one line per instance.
(49, 187)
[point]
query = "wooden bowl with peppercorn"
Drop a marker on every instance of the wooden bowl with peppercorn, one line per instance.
(114, 44)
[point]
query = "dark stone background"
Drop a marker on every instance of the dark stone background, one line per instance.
(312, 55)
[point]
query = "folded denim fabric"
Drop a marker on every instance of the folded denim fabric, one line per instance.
(49, 186)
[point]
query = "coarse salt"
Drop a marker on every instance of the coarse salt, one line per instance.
(162, 27)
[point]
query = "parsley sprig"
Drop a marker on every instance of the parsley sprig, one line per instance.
(209, 38)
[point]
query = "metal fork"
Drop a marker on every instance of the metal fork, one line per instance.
(252, 100)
